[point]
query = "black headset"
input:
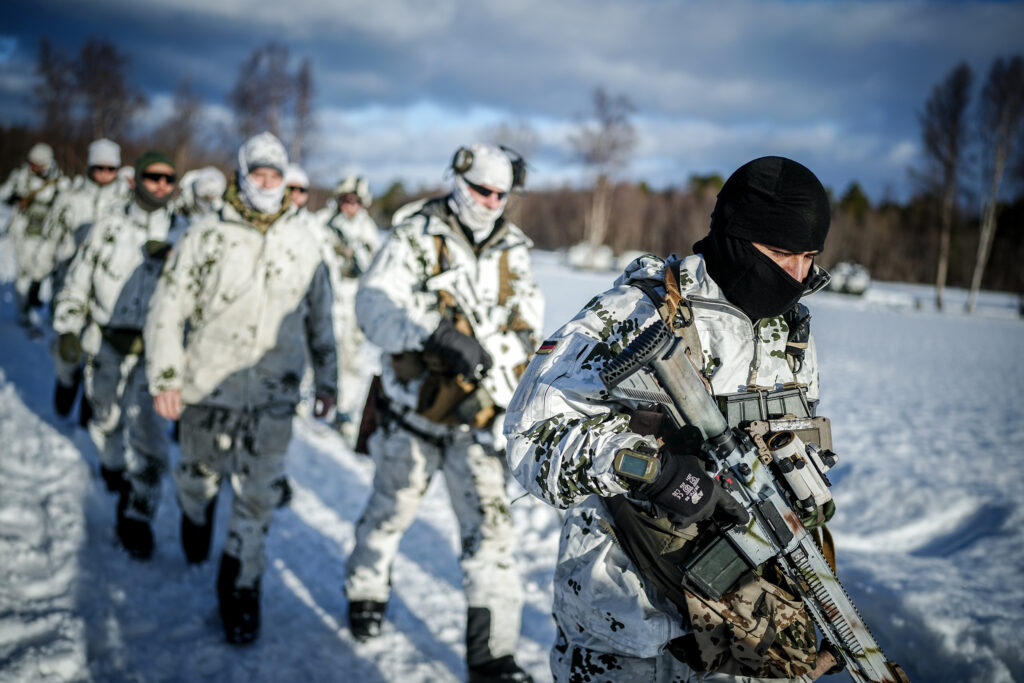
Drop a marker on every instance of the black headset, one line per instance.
(463, 161)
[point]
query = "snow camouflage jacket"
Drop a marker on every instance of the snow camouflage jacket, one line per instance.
(350, 243)
(113, 276)
(563, 432)
(22, 184)
(397, 312)
(71, 217)
(253, 302)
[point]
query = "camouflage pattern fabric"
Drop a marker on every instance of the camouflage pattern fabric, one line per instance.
(757, 629)
(348, 249)
(397, 313)
(125, 427)
(69, 221)
(475, 480)
(255, 302)
(248, 446)
(564, 429)
(111, 279)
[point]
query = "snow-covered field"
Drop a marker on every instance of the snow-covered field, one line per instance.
(927, 418)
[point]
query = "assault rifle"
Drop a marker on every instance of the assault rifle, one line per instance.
(506, 349)
(655, 369)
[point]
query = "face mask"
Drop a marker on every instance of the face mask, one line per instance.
(472, 214)
(148, 201)
(748, 278)
(258, 197)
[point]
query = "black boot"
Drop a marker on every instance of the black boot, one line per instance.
(195, 538)
(84, 412)
(114, 479)
(365, 618)
(64, 394)
(239, 607)
(500, 670)
(135, 535)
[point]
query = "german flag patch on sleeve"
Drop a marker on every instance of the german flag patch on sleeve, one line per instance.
(547, 347)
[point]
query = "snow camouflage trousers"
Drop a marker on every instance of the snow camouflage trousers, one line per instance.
(575, 664)
(475, 479)
(249, 446)
(126, 429)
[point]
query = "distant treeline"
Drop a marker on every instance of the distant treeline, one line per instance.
(896, 242)
(956, 229)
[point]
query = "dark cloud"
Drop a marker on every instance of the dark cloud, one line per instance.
(840, 82)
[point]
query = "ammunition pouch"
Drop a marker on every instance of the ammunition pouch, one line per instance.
(741, 623)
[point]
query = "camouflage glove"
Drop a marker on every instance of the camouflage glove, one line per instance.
(69, 347)
(462, 352)
(684, 488)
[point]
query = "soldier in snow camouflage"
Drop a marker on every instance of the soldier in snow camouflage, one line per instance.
(104, 304)
(565, 430)
(248, 284)
(438, 414)
(350, 240)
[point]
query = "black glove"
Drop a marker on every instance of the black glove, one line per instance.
(462, 352)
(157, 249)
(684, 488)
(69, 347)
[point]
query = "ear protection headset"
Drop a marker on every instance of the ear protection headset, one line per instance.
(463, 161)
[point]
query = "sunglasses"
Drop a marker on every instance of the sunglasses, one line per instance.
(485, 191)
(107, 169)
(300, 190)
(157, 177)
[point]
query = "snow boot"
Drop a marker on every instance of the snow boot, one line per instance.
(84, 412)
(500, 670)
(239, 607)
(365, 618)
(135, 535)
(195, 538)
(64, 395)
(114, 479)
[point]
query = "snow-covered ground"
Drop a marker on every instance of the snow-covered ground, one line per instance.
(927, 418)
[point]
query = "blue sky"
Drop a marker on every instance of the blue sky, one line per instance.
(401, 83)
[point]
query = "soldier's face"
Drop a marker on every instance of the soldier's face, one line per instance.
(350, 204)
(796, 263)
(103, 175)
(487, 195)
(267, 178)
(159, 179)
(36, 168)
(299, 195)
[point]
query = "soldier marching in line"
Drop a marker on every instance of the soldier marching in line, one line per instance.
(454, 351)
(249, 285)
(350, 238)
(67, 225)
(101, 310)
(32, 189)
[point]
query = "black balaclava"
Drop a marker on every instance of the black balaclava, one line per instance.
(146, 200)
(774, 201)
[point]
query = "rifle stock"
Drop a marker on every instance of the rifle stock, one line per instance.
(654, 369)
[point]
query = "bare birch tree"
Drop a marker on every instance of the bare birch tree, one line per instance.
(262, 91)
(604, 145)
(943, 124)
(180, 131)
(111, 102)
(303, 128)
(1001, 112)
